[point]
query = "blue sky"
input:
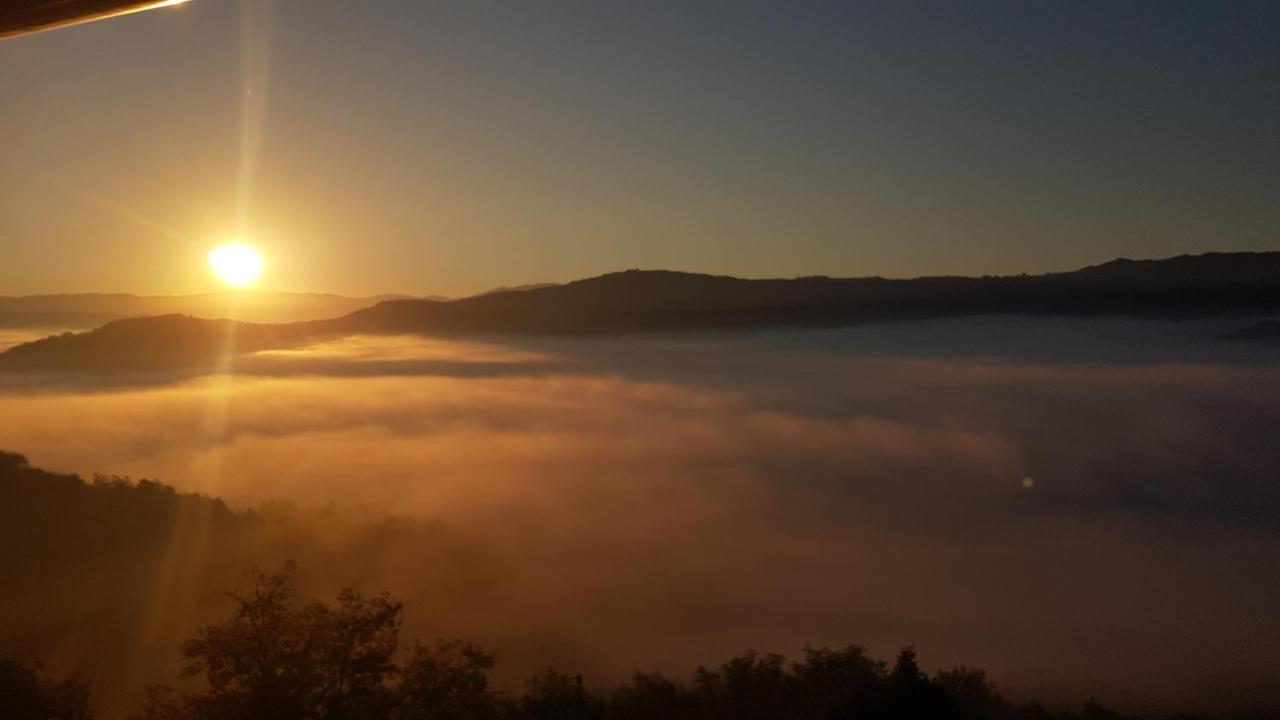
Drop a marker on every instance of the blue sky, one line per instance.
(409, 146)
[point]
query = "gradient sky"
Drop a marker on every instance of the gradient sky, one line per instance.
(432, 147)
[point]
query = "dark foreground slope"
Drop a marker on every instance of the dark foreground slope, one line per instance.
(53, 523)
(662, 301)
(107, 578)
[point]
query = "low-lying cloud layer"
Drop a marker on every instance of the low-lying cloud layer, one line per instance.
(658, 503)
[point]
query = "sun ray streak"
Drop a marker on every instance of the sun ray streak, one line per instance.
(121, 210)
(255, 53)
(174, 580)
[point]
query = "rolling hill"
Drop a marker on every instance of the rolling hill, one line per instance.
(638, 301)
(89, 310)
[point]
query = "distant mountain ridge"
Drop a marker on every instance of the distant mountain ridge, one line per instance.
(82, 311)
(161, 343)
(637, 301)
(661, 300)
(1215, 267)
(89, 310)
(1266, 331)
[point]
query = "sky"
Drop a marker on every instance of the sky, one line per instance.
(450, 147)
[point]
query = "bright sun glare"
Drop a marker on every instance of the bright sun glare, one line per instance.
(238, 265)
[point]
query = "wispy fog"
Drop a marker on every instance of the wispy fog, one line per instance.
(1051, 506)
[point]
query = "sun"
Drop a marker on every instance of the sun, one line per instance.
(236, 264)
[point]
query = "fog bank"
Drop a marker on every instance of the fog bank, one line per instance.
(659, 502)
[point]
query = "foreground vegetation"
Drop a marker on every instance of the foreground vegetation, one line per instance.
(279, 657)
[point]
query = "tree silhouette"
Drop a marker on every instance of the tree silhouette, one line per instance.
(747, 687)
(275, 657)
(971, 693)
(552, 695)
(652, 695)
(912, 694)
(25, 695)
(447, 682)
(278, 657)
(839, 683)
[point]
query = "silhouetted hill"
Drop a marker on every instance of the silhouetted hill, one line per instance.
(89, 310)
(105, 576)
(107, 519)
(1240, 268)
(660, 301)
(513, 288)
(151, 344)
(1265, 331)
(638, 301)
